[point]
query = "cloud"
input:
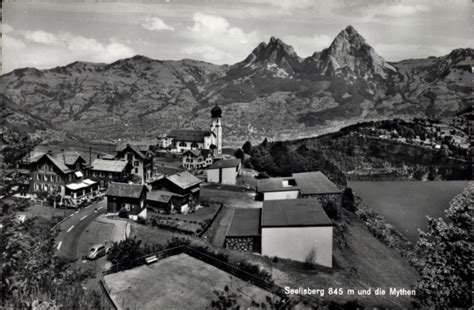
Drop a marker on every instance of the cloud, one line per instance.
(306, 45)
(6, 28)
(42, 37)
(369, 10)
(156, 24)
(396, 52)
(213, 38)
(43, 49)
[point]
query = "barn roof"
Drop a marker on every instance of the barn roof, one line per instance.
(293, 213)
(109, 165)
(225, 163)
(125, 190)
(189, 135)
(314, 182)
(161, 196)
(245, 222)
(183, 179)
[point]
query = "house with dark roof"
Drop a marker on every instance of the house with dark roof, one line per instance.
(299, 224)
(197, 159)
(51, 172)
(244, 231)
(128, 199)
(312, 184)
(105, 171)
(162, 201)
(224, 171)
(182, 183)
(140, 160)
(290, 228)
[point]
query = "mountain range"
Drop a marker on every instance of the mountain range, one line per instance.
(272, 93)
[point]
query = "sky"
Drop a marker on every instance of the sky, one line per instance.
(46, 34)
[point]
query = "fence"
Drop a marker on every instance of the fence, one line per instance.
(269, 286)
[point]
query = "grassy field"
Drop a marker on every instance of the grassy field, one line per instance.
(47, 212)
(184, 283)
(405, 204)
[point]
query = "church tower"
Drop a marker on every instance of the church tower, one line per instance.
(216, 127)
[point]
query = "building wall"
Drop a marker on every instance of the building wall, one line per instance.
(296, 242)
(281, 195)
(188, 146)
(216, 128)
(213, 175)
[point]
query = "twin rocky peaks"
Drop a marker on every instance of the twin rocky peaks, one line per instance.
(349, 53)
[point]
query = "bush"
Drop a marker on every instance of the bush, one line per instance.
(310, 260)
(332, 210)
(348, 201)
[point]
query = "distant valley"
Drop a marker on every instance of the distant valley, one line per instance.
(272, 93)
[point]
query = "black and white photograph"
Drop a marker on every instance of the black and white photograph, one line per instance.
(236, 154)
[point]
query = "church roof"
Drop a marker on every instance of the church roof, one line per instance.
(216, 112)
(189, 135)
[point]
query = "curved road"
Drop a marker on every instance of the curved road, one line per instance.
(73, 227)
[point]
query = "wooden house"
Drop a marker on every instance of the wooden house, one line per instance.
(127, 198)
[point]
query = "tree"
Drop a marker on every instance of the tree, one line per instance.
(445, 257)
(348, 201)
(310, 259)
(239, 154)
(247, 147)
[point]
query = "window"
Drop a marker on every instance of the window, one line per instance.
(129, 156)
(194, 145)
(38, 176)
(45, 177)
(136, 170)
(182, 144)
(136, 163)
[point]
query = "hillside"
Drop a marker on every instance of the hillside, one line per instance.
(272, 93)
(381, 150)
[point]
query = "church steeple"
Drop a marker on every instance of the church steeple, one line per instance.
(216, 127)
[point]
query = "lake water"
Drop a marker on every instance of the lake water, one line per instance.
(405, 204)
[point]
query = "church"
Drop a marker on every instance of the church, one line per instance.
(181, 140)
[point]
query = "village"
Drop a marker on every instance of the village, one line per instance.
(187, 185)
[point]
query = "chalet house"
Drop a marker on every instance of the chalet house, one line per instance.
(197, 159)
(300, 185)
(52, 172)
(142, 163)
(128, 198)
(300, 224)
(165, 202)
(182, 183)
(224, 171)
(106, 171)
(61, 173)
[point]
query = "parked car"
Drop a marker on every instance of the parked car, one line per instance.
(97, 251)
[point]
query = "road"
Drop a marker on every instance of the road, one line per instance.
(73, 227)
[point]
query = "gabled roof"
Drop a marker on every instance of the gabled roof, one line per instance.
(165, 170)
(161, 196)
(225, 163)
(315, 183)
(109, 165)
(183, 179)
(189, 135)
(125, 190)
(245, 222)
(68, 157)
(135, 149)
(293, 213)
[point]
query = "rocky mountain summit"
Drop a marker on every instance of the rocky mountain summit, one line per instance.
(272, 93)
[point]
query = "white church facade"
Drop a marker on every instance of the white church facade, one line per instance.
(181, 140)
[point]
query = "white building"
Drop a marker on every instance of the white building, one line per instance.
(181, 140)
(224, 171)
(293, 228)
